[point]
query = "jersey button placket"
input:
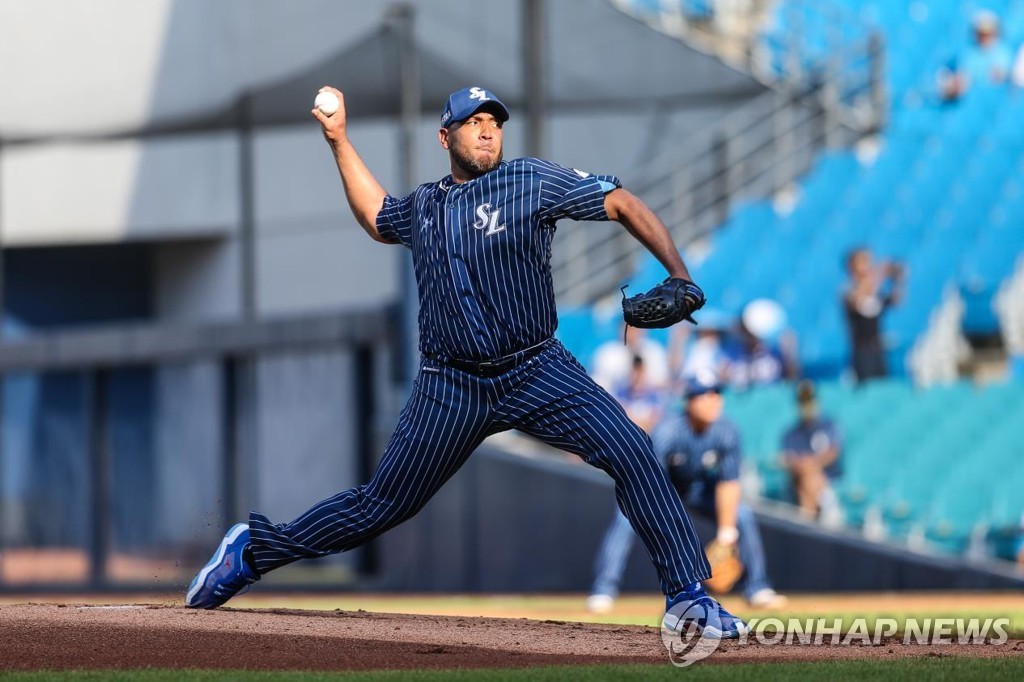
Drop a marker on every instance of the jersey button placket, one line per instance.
(460, 269)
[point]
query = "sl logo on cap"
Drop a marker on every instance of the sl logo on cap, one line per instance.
(478, 93)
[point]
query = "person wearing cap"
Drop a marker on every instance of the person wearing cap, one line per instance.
(811, 451)
(701, 350)
(480, 240)
(702, 453)
(989, 61)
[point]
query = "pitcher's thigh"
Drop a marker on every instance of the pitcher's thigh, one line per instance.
(566, 409)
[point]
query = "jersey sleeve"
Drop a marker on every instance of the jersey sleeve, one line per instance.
(729, 466)
(791, 442)
(394, 220)
(571, 193)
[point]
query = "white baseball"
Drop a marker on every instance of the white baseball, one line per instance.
(327, 102)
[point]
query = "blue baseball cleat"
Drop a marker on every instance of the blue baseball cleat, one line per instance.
(226, 574)
(694, 605)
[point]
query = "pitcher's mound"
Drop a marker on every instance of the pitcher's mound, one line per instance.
(50, 636)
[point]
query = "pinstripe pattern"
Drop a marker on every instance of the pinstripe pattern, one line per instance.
(697, 462)
(482, 250)
(485, 296)
(549, 396)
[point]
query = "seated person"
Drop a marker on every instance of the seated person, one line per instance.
(810, 451)
(640, 397)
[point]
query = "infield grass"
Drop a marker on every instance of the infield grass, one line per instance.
(648, 609)
(956, 669)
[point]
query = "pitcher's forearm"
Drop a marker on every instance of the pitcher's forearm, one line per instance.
(641, 222)
(364, 194)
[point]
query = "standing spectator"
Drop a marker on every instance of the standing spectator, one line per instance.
(643, 404)
(613, 360)
(866, 299)
(811, 452)
(988, 62)
(702, 452)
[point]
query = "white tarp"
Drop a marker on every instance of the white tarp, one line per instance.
(81, 67)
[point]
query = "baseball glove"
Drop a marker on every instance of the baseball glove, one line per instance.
(726, 567)
(670, 302)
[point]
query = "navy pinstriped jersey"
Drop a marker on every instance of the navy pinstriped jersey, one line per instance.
(482, 250)
(697, 461)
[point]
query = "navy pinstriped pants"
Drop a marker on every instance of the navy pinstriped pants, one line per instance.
(613, 555)
(549, 396)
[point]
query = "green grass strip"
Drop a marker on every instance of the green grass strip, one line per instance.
(952, 668)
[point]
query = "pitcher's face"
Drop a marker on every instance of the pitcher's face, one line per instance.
(474, 145)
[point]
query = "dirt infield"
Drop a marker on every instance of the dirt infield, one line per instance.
(61, 636)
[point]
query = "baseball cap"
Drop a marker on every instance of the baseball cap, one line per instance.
(464, 103)
(701, 383)
(986, 21)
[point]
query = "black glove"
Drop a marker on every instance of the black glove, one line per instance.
(673, 300)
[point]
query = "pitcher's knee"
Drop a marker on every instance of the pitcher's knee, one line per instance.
(383, 512)
(623, 457)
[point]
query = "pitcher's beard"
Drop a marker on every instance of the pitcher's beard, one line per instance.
(472, 167)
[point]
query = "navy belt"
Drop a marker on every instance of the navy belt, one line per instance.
(494, 367)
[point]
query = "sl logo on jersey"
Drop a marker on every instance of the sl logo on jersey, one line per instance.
(488, 218)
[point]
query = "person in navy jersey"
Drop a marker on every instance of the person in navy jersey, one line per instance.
(703, 453)
(810, 451)
(480, 240)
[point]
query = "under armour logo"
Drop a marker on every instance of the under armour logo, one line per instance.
(478, 93)
(487, 218)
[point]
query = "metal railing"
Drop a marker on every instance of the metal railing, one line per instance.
(756, 151)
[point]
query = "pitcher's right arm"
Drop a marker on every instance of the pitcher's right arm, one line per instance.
(365, 195)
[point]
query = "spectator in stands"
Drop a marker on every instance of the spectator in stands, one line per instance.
(641, 399)
(705, 353)
(613, 360)
(871, 291)
(988, 62)
(762, 351)
(702, 452)
(811, 451)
